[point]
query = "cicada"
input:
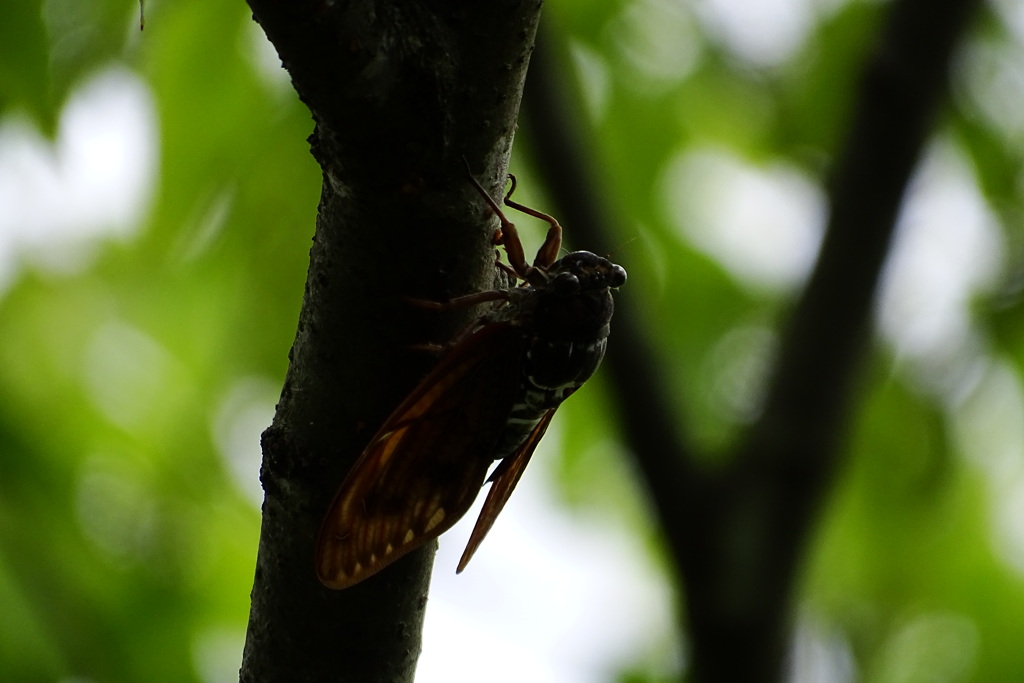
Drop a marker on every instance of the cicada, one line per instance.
(490, 398)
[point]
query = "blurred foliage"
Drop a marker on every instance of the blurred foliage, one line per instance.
(127, 529)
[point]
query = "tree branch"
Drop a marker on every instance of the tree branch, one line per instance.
(400, 92)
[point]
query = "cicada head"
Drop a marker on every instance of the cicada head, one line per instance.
(584, 271)
(576, 303)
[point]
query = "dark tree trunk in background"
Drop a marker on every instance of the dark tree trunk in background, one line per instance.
(737, 533)
(399, 93)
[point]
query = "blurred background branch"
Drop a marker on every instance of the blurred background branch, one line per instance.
(754, 514)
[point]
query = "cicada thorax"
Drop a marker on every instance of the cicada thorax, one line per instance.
(565, 323)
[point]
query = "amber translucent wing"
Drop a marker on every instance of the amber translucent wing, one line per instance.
(503, 482)
(424, 467)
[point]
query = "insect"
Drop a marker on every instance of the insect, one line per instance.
(490, 398)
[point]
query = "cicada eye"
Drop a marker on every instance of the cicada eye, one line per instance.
(565, 283)
(618, 276)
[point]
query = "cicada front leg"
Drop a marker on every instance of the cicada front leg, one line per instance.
(460, 302)
(508, 237)
(548, 252)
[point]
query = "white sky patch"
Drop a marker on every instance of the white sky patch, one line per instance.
(217, 654)
(95, 180)
(114, 509)
(1011, 12)
(989, 76)
(131, 378)
(820, 654)
(263, 58)
(761, 32)
(989, 429)
(1008, 523)
(930, 646)
(243, 412)
(658, 43)
(553, 597)
(947, 251)
(762, 223)
(592, 74)
(204, 224)
(736, 370)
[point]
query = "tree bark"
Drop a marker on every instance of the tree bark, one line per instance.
(399, 92)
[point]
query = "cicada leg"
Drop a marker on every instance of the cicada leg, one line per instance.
(458, 302)
(508, 237)
(455, 304)
(548, 252)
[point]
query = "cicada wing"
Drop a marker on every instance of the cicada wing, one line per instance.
(503, 482)
(424, 467)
